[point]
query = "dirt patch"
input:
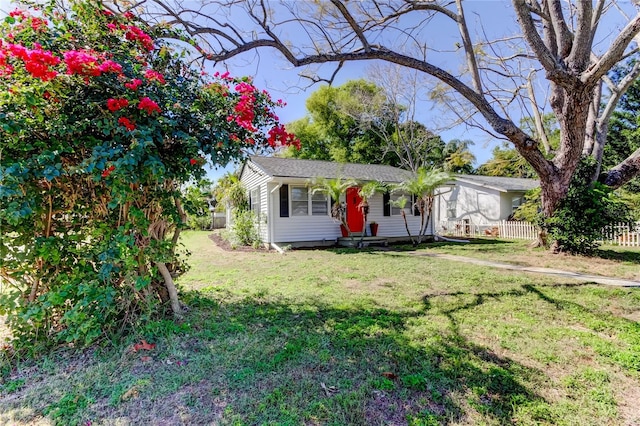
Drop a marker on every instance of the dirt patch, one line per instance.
(226, 245)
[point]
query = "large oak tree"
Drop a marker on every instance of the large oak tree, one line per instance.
(556, 58)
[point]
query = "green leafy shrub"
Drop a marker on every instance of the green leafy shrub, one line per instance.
(200, 223)
(245, 230)
(577, 224)
(102, 122)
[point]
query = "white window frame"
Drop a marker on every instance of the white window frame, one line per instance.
(256, 201)
(317, 198)
(292, 210)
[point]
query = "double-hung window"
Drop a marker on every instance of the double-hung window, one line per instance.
(299, 201)
(305, 203)
(254, 197)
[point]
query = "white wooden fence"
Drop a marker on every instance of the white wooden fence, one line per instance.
(622, 234)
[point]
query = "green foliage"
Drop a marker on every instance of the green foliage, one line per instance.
(507, 162)
(530, 210)
(230, 192)
(101, 125)
(340, 126)
(245, 231)
(577, 224)
(458, 157)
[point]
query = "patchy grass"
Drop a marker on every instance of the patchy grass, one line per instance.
(613, 261)
(335, 337)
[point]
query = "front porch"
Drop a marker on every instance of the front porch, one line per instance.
(356, 239)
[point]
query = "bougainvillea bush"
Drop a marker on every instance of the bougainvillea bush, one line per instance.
(101, 122)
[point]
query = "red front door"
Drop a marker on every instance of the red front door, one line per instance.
(354, 211)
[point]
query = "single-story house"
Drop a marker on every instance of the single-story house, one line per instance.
(290, 213)
(481, 200)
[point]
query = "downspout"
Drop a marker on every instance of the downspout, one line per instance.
(271, 217)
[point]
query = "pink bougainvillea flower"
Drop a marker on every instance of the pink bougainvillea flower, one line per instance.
(18, 13)
(133, 84)
(110, 66)
(134, 33)
(148, 105)
(128, 15)
(279, 136)
(152, 75)
(82, 63)
(39, 24)
(112, 27)
(124, 121)
(116, 104)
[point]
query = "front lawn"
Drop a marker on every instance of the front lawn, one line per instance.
(346, 337)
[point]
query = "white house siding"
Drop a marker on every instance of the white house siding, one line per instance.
(478, 205)
(323, 229)
(253, 178)
(392, 226)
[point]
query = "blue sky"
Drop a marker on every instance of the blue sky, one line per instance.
(273, 73)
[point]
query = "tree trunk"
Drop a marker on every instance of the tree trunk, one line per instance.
(171, 288)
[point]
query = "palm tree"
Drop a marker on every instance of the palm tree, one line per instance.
(335, 188)
(367, 191)
(423, 186)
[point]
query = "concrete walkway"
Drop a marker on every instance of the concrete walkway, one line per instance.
(617, 282)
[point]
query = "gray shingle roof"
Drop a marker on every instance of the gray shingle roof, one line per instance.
(503, 184)
(297, 168)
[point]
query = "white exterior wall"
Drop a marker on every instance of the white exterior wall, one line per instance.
(325, 229)
(478, 205)
(253, 178)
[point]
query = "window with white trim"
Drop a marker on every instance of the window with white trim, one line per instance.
(304, 202)
(319, 204)
(299, 201)
(255, 200)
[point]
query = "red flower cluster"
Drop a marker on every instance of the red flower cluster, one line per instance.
(81, 62)
(148, 105)
(116, 104)
(106, 172)
(17, 13)
(124, 121)
(37, 62)
(278, 136)
(134, 33)
(133, 84)
(193, 161)
(154, 75)
(39, 24)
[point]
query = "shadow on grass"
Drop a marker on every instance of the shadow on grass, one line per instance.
(621, 256)
(256, 361)
(382, 375)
